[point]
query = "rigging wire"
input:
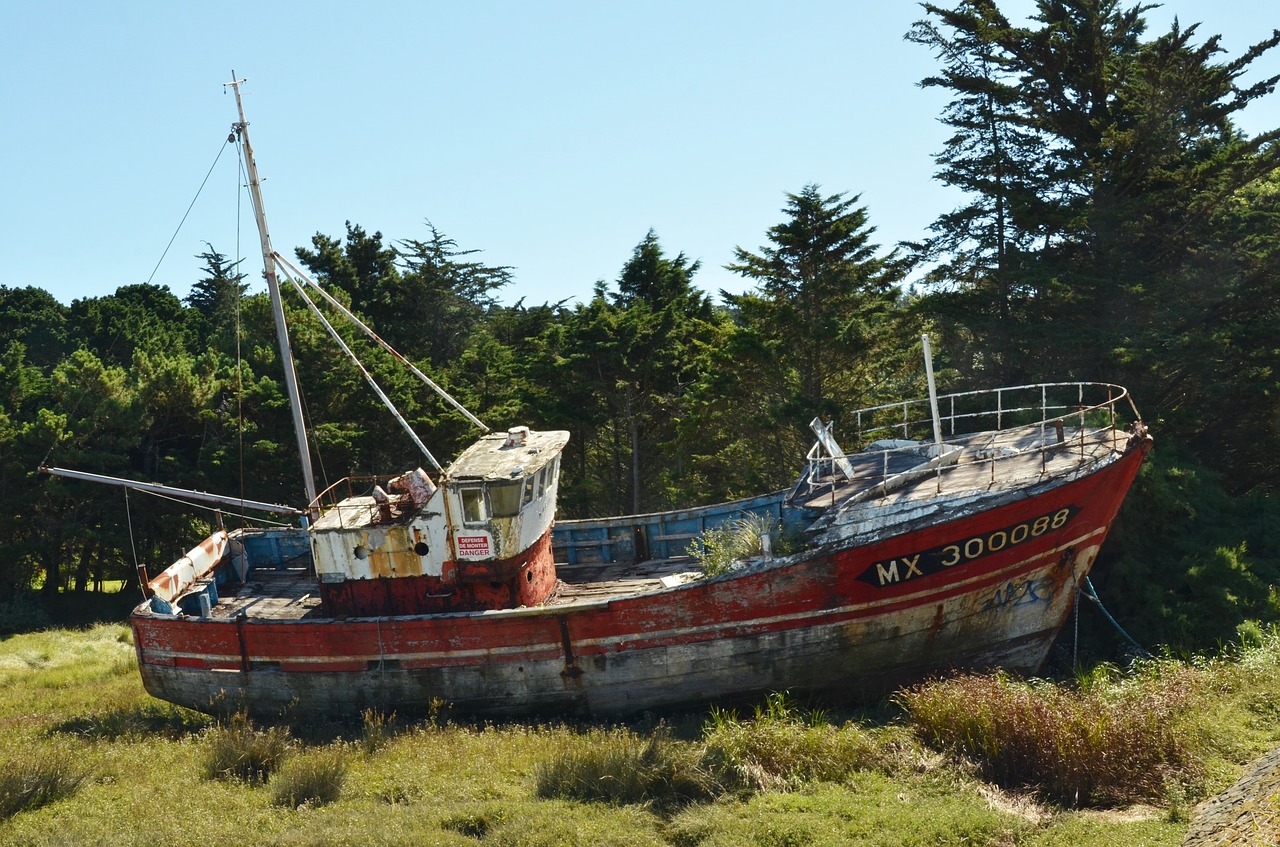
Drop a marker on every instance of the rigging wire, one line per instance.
(189, 208)
(111, 348)
(239, 362)
(289, 267)
(137, 568)
(386, 401)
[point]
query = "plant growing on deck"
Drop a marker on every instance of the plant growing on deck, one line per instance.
(719, 548)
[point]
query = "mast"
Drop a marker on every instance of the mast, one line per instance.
(241, 130)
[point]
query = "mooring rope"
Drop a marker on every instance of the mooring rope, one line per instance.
(1092, 594)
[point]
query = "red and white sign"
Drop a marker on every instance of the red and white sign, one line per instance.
(474, 546)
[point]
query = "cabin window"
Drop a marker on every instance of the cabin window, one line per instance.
(473, 505)
(542, 481)
(530, 484)
(504, 498)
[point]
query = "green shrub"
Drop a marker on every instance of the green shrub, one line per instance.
(314, 778)
(237, 750)
(620, 767)
(1110, 742)
(36, 776)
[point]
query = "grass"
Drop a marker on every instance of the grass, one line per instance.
(621, 767)
(314, 778)
(719, 549)
(37, 776)
(239, 750)
(777, 774)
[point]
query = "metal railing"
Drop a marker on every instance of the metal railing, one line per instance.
(1041, 411)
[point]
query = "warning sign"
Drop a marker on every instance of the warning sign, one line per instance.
(474, 546)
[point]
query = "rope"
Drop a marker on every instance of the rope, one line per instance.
(1092, 594)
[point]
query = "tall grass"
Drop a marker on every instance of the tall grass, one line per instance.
(782, 746)
(1106, 743)
(314, 778)
(237, 750)
(621, 767)
(36, 776)
(720, 548)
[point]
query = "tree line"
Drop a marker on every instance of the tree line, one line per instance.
(1116, 225)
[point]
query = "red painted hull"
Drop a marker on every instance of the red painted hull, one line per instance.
(846, 622)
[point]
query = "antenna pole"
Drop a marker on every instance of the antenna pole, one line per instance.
(933, 395)
(241, 131)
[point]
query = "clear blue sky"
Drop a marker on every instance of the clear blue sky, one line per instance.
(550, 135)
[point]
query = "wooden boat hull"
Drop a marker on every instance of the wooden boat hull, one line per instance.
(986, 587)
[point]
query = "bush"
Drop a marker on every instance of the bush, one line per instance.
(38, 776)
(620, 767)
(1107, 743)
(315, 778)
(239, 751)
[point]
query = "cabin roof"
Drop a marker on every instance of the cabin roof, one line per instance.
(490, 460)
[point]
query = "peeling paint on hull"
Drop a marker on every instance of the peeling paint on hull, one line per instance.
(814, 622)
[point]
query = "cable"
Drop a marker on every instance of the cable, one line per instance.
(188, 212)
(132, 546)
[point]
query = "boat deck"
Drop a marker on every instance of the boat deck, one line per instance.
(291, 594)
(986, 461)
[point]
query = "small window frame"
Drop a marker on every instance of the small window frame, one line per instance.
(475, 504)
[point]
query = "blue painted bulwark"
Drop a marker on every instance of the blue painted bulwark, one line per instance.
(662, 535)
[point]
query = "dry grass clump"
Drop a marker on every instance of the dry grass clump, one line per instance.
(1107, 743)
(622, 768)
(782, 746)
(238, 750)
(314, 778)
(37, 776)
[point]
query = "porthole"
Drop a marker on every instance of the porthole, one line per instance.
(421, 548)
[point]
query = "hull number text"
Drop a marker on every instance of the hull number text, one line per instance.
(938, 559)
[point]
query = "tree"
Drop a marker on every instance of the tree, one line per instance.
(1137, 187)
(824, 294)
(442, 296)
(981, 250)
(216, 298)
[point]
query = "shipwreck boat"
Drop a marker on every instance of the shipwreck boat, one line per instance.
(908, 556)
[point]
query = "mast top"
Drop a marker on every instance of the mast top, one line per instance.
(240, 131)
